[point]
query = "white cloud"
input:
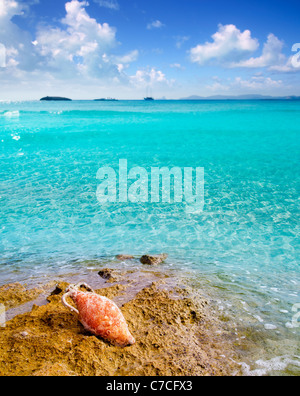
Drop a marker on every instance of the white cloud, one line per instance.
(271, 58)
(271, 55)
(80, 47)
(155, 25)
(18, 45)
(255, 84)
(230, 47)
(124, 61)
(177, 66)
(84, 47)
(73, 58)
(128, 58)
(9, 8)
(258, 83)
(228, 43)
(180, 40)
(148, 77)
(111, 4)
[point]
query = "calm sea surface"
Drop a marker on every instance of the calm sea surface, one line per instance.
(244, 244)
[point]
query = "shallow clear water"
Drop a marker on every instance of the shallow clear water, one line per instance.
(245, 242)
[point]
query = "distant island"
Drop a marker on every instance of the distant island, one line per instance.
(56, 98)
(191, 98)
(241, 97)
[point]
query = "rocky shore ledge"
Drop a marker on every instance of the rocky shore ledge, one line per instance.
(176, 334)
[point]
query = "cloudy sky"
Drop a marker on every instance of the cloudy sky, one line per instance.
(175, 48)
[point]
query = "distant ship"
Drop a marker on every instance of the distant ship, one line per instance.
(149, 94)
(106, 100)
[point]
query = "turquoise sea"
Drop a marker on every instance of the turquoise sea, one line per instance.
(244, 245)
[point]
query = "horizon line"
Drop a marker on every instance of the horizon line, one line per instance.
(188, 98)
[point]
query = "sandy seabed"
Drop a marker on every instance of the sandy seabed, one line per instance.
(175, 330)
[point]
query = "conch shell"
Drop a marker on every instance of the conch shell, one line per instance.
(99, 315)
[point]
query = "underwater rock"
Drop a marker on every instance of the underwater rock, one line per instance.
(106, 273)
(123, 257)
(153, 260)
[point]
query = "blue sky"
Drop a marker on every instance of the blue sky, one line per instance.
(99, 48)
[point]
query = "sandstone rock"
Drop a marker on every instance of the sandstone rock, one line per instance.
(153, 260)
(123, 257)
(175, 337)
(110, 275)
(15, 294)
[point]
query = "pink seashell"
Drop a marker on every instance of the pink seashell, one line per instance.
(99, 315)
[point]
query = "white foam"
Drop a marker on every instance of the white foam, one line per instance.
(292, 325)
(245, 306)
(289, 325)
(258, 318)
(279, 363)
(12, 114)
(269, 326)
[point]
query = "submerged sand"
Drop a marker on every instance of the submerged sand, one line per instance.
(175, 332)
